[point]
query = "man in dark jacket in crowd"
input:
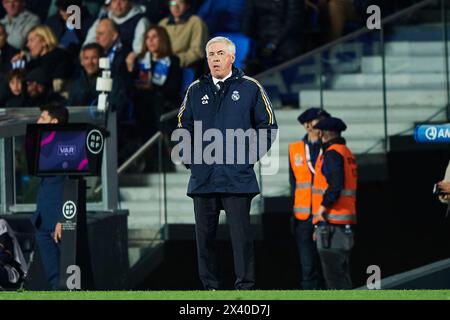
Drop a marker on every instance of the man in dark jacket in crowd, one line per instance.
(68, 37)
(225, 100)
(82, 89)
(6, 54)
(39, 91)
(276, 26)
(108, 38)
(130, 21)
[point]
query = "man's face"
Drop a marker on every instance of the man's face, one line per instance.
(45, 118)
(89, 61)
(120, 8)
(105, 35)
(309, 127)
(2, 37)
(178, 8)
(220, 60)
(13, 7)
(35, 89)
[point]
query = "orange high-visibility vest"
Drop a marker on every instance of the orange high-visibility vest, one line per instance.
(343, 211)
(299, 158)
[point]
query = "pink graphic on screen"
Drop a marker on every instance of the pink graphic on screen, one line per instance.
(63, 151)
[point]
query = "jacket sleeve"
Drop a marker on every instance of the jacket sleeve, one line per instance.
(264, 120)
(139, 33)
(90, 37)
(186, 122)
(333, 170)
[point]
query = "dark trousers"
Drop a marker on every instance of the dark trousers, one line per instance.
(336, 268)
(49, 252)
(311, 271)
(4, 280)
(334, 245)
(237, 208)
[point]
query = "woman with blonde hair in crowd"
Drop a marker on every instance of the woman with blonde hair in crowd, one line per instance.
(44, 52)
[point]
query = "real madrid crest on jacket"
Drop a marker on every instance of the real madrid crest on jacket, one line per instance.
(238, 103)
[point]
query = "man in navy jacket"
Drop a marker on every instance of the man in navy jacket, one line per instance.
(234, 112)
(49, 206)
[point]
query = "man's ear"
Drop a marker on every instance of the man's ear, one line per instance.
(233, 58)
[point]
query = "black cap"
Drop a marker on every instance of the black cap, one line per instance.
(331, 124)
(311, 114)
(38, 75)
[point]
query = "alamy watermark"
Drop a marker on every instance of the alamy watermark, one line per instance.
(73, 281)
(374, 21)
(374, 280)
(234, 147)
(74, 19)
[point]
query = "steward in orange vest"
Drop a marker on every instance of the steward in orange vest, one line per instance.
(334, 203)
(302, 159)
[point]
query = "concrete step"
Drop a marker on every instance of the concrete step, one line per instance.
(416, 48)
(372, 98)
(393, 81)
(403, 64)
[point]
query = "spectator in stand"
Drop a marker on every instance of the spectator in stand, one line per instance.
(45, 54)
(82, 89)
(131, 24)
(16, 80)
(188, 34)
(157, 75)
(40, 8)
(18, 22)
(6, 54)
(107, 36)
(39, 90)
(222, 15)
(155, 10)
(68, 37)
(339, 12)
(276, 27)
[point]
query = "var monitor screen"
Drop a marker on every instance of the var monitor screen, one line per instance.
(64, 150)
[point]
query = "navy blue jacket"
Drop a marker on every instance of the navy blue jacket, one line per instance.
(242, 103)
(49, 204)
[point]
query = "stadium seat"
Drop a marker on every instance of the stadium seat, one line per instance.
(187, 78)
(244, 46)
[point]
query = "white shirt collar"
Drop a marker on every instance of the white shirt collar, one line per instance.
(217, 80)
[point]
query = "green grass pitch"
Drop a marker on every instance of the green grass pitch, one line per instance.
(230, 295)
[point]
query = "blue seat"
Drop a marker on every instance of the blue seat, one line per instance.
(244, 46)
(187, 78)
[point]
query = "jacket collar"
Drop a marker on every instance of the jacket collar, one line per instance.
(236, 74)
(185, 17)
(338, 140)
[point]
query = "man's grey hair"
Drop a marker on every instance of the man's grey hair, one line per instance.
(230, 45)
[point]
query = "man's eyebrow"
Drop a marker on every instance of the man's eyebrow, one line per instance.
(216, 51)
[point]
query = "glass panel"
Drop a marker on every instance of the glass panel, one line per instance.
(415, 70)
(298, 83)
(352, 81)
(141, 193)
